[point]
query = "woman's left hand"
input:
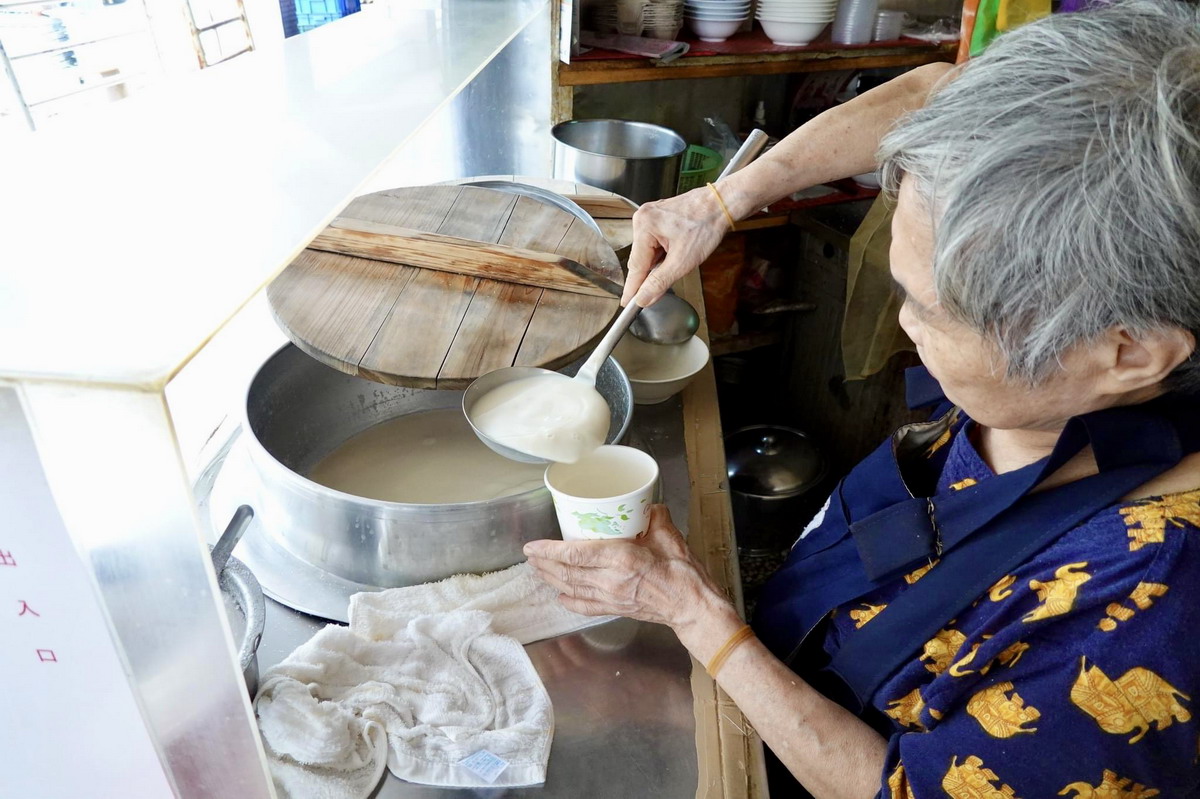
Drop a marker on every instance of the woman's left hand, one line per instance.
(653, 578)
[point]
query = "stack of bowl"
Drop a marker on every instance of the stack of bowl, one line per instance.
(716, 20)
(663, 19)
(795, 23)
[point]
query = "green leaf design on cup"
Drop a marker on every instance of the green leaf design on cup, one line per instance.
(597, 522)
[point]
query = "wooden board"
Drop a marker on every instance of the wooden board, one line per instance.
(386, 319)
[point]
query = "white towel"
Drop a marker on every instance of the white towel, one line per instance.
(521, 605)
(424, 678)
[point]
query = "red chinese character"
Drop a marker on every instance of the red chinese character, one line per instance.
(47, 656)
(6, 559)
(26, 609)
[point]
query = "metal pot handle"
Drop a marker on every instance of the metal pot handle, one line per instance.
(229, 539)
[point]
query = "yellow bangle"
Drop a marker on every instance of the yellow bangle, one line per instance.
(724, 207)
(735, 640)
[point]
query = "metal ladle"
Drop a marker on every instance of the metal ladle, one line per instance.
(673, 320)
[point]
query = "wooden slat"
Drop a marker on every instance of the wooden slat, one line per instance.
(535, 225)
(554, 326)
(608, 206)
(490, 333)
(421, 325)
(322, 297)
(630, 70)
(730, 754)
(424, 209)
(400, 245)
(478, 214)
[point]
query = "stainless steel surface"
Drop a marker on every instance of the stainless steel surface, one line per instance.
(238, 583)
(543, 195)
(498, 125)
(130, 512)
(610, 381)
(671, 320)
(624, 720)
(773, 471)
(298, 410)
(634, 159)
(751, 147)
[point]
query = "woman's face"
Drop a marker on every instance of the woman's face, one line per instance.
(970, 369)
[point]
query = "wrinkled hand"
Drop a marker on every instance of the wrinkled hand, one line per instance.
(652, 578)
(671, 238)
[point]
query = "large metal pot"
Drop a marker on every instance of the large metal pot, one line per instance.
(634, 159)
(298, 410)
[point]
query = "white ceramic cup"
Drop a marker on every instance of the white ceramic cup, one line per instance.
(606, 494)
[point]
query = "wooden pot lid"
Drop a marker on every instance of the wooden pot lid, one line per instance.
(408, 326)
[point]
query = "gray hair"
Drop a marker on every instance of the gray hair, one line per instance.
(1061, 170)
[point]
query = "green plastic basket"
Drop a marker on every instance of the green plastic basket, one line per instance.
(700, 165)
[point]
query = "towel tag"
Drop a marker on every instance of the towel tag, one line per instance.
(486, 765)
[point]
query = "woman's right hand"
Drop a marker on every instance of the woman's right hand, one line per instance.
(671, 238)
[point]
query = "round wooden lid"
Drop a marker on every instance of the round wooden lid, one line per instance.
(409, 326)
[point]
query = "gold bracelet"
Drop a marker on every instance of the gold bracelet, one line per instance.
(724, 207)
(735, 640)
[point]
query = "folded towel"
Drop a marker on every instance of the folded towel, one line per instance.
(662, 51)
(521, 605)
(431, 680)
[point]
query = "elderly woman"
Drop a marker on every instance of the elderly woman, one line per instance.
(1002, 601)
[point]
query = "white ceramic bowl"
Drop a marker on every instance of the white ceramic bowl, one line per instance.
(792, 34)
(718, 15)
(796, 12)
(735, 21)
(824, 18)
(658, 372)
(727, 11)
(712, 30)
(791, 8)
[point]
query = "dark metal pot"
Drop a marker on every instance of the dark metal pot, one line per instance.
(773, 475)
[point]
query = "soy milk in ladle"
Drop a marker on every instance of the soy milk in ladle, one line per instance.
(526, 413)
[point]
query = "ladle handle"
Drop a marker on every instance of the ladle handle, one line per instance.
(591, 367)
(749, 150)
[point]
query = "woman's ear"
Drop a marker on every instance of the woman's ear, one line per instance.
(1133, 362)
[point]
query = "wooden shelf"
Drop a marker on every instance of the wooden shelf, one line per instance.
(749, 53)
(743, 342)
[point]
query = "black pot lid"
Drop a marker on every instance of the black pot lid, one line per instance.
(772, 461)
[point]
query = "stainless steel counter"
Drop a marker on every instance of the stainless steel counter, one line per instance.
(624, 720)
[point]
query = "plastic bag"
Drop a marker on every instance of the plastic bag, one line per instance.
(719, 137)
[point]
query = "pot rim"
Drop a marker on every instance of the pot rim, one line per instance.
(573, 122)
(258, 451)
